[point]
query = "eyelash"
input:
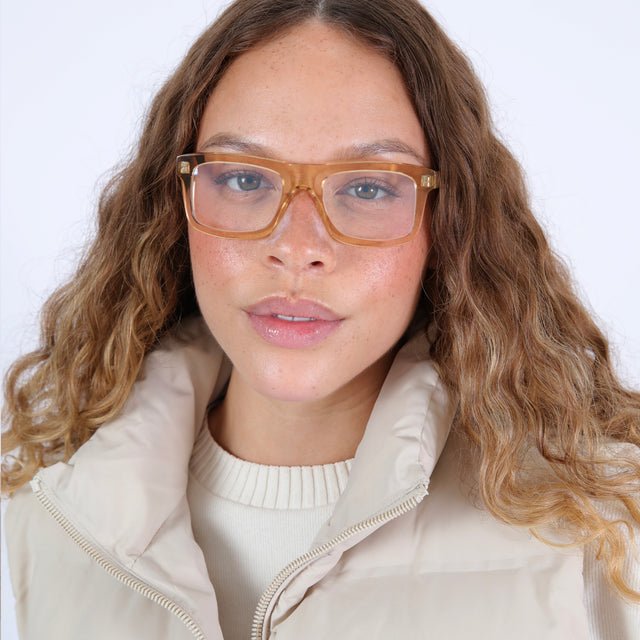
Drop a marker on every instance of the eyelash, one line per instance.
(370, 183)
(230, 175)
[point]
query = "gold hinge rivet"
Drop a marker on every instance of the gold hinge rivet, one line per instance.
(185, 167)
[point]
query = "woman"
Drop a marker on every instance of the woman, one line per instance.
(395, 347)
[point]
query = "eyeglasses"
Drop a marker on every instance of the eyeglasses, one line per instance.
(361, 203)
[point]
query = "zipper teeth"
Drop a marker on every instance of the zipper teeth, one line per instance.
(112, 569)
(380, 519)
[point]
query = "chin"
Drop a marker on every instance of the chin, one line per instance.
(298, 391)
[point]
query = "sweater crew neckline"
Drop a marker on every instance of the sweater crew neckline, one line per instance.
(266, 486)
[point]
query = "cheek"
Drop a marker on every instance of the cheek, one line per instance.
(394, 279)
(213, 271)
(407, 264)
(404, 279)
(213, 261)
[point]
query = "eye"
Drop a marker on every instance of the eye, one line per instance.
(243, 181)
(367, 189)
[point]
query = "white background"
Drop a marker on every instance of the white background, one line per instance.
(562, 76)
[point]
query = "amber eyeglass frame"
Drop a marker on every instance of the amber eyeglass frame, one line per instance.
(310, 178)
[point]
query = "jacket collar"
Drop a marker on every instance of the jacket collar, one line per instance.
(125, 489)
(404, 438)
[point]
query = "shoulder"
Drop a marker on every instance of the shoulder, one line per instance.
(62, 594)
(25, 523)
(39, 550)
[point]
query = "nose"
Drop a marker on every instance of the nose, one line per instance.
(301, 242)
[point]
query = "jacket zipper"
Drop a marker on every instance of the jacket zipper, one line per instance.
(374, 522)
(110, 567)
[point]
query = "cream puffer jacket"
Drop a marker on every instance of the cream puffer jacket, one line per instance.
(101, 547)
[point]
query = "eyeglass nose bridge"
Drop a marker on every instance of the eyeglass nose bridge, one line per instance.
(288, 196)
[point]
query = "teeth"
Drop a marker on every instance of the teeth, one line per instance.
(293, 318)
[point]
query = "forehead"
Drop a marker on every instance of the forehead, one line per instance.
(310, 92)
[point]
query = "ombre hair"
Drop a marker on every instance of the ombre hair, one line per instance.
(552, 431)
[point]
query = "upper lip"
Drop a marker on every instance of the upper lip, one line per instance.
(303, 308)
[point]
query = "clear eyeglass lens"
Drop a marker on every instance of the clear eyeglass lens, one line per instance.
(368, 205)
(235, 196)
(371, 205)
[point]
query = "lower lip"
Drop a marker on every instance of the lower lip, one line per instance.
(290, 334)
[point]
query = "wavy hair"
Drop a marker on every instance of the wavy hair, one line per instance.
(528, 369)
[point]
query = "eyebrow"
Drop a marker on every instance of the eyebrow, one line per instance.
(235, 143)
(379, 147)
(356, 151)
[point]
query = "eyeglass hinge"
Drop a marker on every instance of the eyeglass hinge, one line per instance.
(429, 182)
(185, 167)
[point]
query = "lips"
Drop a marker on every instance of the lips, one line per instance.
(294, 324)
(308, 309)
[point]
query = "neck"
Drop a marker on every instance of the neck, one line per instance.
(269, 431)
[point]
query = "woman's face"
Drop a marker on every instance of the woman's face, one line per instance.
(312, 95)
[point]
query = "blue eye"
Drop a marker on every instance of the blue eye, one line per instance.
(368, 190)
(242, 181)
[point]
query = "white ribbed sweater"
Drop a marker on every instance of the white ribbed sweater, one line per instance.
(251, 520)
